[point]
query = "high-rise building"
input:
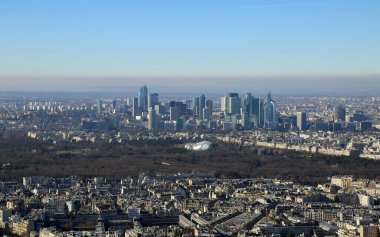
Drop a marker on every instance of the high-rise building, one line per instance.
(234, 103)
(248, 103)
(174, 113)
(202, 105)
(152, 100)
(339, 113)
(245, 123)
(270, 113)
(206, 113)
(196, 101)
(301, 121)
(224, 104)
(143, 98)
(152, 119)
(231, 104)
(208, 110)
(257, 112)
(210, 105)
(135, 107)
(99, 106)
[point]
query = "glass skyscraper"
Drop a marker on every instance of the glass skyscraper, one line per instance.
(143, 98)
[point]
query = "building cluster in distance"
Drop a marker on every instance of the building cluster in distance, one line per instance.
(342, 126)
(188, 204)
(234, 112)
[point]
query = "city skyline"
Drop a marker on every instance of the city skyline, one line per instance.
(81, 45)
(179, 118)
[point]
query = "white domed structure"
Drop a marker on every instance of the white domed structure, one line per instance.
(200, 146)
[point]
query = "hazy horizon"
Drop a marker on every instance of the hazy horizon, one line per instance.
(275, 45)
(258, 85)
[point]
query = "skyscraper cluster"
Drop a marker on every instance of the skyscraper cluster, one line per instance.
(168, 115)
(202, 108)
(235, 112)
(253, 111)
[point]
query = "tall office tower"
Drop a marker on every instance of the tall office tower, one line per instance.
(247, 104)
(210, 105)
(224, 104)
(99, 106)
(234, 103)
(181, 106)
(206, 113)
(339, 113)
(152, 120)
(174, 113)
(135, 107)
(245, 123)
(196, 101)
(152, 100)
(301, 121)
(257, 112)
(231, 104)
(143, 98)
(270, 113)
(202, 105)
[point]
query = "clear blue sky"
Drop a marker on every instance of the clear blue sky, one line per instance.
(43, 42)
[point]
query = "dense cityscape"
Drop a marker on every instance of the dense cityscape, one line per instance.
(188, 204)
(189, 118)
(192, 203)
(343, 126)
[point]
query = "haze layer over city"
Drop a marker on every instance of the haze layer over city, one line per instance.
(188, 118)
